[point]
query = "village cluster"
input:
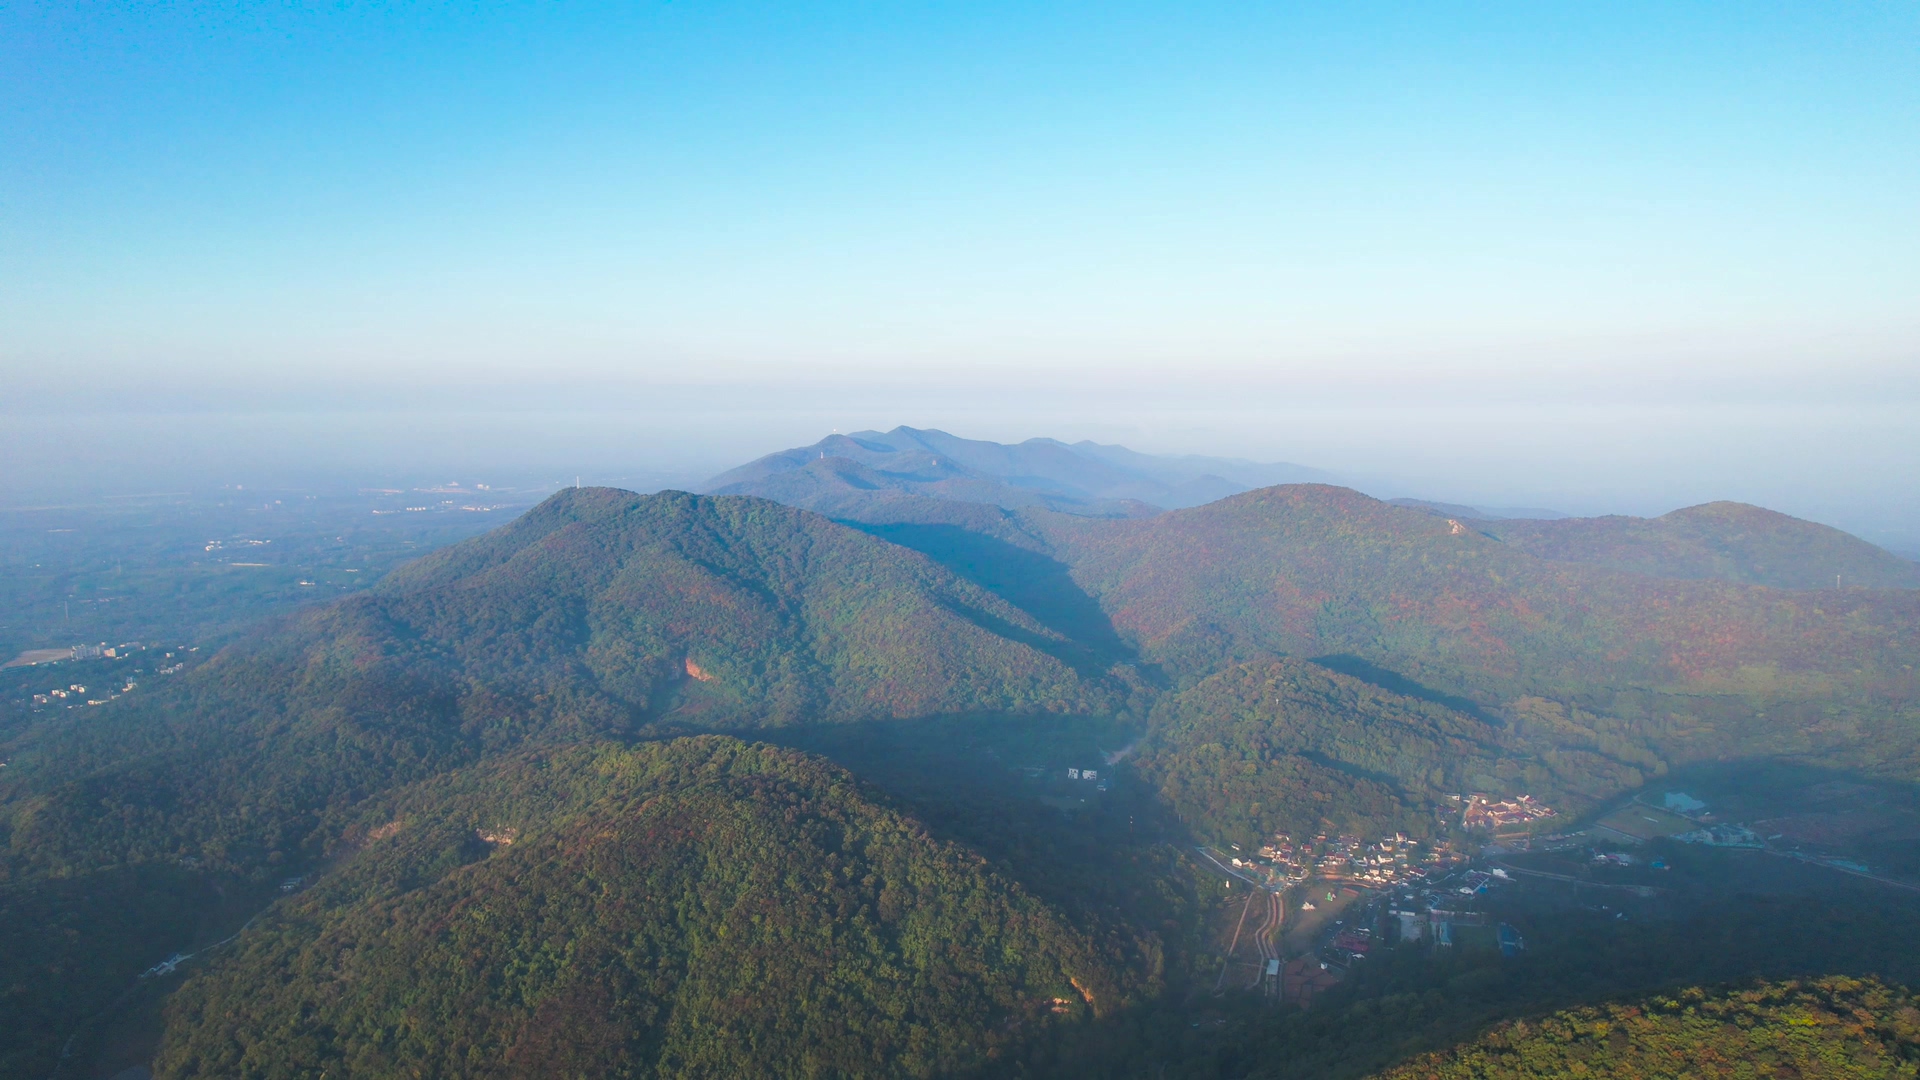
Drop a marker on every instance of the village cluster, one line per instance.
(1287, 862)
(1438, 909)
(1349, 898)
(1500, 815)
(1358, 895)
(77, 693)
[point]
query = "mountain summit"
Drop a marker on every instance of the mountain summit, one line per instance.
(841, 474)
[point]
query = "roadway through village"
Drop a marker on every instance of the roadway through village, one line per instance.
(1267, 938)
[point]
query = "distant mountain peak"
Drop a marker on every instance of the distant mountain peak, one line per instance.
(845, 475)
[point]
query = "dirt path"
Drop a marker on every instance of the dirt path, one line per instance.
(1868, 874)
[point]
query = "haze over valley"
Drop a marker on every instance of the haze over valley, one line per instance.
(1080, 684)
(549, 542)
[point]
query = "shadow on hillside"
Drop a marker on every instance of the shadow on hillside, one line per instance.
(1823, 811)
(1406, 1003)
(1030, 581)
(1725, 916)
(1403, 1009)
(1387, 679)
(999, 785)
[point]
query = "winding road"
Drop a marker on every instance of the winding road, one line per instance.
(1266, 938)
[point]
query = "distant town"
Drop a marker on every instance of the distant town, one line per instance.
(102, 690)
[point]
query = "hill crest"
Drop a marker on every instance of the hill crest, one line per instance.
(1726, 541)
(1312, 570)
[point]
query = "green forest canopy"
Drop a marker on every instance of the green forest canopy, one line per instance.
(699, 907)
(1818, 1029)
(603, 615)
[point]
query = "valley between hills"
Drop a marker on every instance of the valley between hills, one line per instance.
(908, 755)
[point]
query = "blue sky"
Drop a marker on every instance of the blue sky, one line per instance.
(1173, 209)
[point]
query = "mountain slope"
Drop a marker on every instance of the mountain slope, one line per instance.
(695, 908)
(783, 614)
(843, 475)
(1311, 570)
(598, 613)
(1619, 675)
(1290, 746)
(1478, 513)
(1819, 1029)
(1727, 541)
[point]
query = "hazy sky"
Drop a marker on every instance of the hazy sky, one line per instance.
(1622, 255)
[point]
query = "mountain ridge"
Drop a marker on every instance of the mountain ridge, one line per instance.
(1727, 541)
(874, 477)
(600, 614)
(840, 473)
(1299, 654)
(1312, 570)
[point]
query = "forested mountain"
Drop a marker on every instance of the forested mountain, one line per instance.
(1286, 746)
(842, 474)
(733, 611)
(1290, 746)
(1612, 675)
(1295, 658)
(1312, 570)
(599, 613)
(699, 907)
(1815, 1029)
(1727, 541)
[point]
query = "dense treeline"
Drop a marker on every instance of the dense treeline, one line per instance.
(694, 908)
(73, 938)
(1291, 746)
(1833, 1027)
